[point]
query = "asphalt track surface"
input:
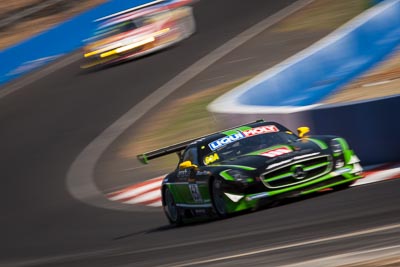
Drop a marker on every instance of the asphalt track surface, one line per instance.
(45, 126)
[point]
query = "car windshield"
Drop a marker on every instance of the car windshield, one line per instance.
(114, 29)
(248, 145)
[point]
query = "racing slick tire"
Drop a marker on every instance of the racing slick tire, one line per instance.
(217, 197)
(172, 211)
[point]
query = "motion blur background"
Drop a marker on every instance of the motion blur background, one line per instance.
(52, 113)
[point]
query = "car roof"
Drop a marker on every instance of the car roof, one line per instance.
(210, 138)
(242, 131)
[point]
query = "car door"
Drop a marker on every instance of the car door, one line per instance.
(191, 189)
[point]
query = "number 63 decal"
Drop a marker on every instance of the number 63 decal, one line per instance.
(195, 192)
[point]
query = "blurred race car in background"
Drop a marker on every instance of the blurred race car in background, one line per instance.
(250, 166)
(137, 32)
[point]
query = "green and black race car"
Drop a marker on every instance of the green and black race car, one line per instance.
(251, 165)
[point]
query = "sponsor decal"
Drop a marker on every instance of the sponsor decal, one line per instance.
(260, 130)
(276, 152)
(242, 134)
(211, 158)
(200, 211)
(225, 140)
(184, 173)
(195, 192)
(202, 173)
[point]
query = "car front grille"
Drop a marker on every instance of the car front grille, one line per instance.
(297, 172)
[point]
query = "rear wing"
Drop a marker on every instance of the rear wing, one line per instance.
(178, 148)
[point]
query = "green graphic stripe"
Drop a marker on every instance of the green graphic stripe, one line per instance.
(321, 144)
(238, 206)
(226, 176)
(323, 178)
(316, 166)
(284, 175)
(343, 143)
(236, 130)
(347, 152)
(246, 168)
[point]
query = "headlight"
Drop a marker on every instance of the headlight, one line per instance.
(235, 175)
(336, 147)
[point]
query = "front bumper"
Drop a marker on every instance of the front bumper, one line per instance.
(96, 60)
(237, 202)
(157, 41)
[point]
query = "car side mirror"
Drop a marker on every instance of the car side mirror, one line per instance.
(302, 131)
(187, 164)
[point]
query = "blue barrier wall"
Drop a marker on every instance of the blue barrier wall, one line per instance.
(60, 40)
(371, 127)
(334, 61)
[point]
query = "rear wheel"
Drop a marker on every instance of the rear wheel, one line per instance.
(218, 198)
(171, 210)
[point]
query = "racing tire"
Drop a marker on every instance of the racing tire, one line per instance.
(172, 211)
(218, 201)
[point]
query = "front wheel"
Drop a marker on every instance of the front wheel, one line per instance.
(171, 210)
(218, 200)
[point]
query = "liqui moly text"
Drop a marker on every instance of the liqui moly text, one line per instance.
(242, 134)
